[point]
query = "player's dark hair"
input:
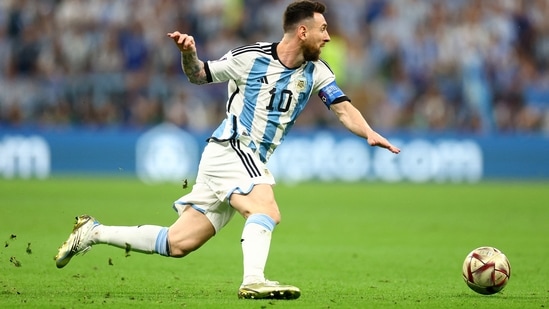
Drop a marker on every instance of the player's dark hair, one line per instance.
(300, 10)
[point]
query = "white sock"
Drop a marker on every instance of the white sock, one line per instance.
(256, 241)
(143, 238)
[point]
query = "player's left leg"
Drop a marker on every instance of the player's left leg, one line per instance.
(261, 212)
(262, 215)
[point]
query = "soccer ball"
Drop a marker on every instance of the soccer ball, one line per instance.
(486, 270)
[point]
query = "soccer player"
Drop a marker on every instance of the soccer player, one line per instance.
(268, 87)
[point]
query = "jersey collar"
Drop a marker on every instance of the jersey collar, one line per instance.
(274, 53)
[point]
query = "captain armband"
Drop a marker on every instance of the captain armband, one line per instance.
(332, 94)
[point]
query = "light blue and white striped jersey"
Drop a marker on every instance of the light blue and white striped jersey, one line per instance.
(265, 97)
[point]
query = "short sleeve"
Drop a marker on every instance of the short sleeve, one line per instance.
(327, 88)
(225, 68)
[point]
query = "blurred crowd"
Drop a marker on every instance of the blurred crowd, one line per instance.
(476, 66)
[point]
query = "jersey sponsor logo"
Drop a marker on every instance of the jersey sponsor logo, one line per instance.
(263, 80)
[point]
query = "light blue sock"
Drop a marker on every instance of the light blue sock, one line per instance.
(162, 246)
(263, 220)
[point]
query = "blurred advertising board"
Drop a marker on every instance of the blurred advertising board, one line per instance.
(167, 153)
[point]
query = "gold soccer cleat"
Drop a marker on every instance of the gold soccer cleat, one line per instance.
(79, 240)
(268, 290)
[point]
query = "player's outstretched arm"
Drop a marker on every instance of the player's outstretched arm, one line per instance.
(353, 120)
(192, 66)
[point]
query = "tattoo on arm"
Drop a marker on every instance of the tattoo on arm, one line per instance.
(193, 68)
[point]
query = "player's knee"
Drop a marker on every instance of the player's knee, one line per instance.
(272, 213)
(181, 249)
(276, 217)
(178, 252)
(270, 209)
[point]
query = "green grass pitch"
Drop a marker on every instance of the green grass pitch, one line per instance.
(363, 245)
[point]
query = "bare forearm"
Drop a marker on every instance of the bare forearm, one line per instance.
(193, 68)
(191, 65)
(353, 120)
(358, 127)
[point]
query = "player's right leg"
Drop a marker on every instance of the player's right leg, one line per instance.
(191, 230)
(187, 234)
(201, 213)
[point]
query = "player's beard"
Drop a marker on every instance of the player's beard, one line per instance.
(311, 52)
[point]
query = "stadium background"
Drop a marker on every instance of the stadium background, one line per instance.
(94, 88)
(83, 79)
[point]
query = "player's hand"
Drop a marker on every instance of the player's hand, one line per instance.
(374, 139)
(184, 42)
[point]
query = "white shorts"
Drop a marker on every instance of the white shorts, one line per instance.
(225, 168)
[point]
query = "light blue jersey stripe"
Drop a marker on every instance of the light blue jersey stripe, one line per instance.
(258, 70)
(303, 97)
